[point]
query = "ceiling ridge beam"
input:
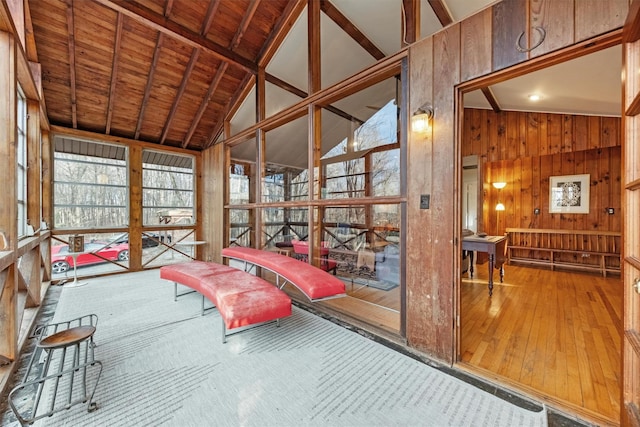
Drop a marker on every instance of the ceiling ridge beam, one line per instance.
(348, 27)
(72, 63)
(288, 18)
(114, 73)
(166, 26)
(147, 89)
(195, 53)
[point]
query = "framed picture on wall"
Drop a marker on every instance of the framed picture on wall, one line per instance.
(569, 194)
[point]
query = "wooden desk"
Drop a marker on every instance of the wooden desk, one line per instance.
(492, 245)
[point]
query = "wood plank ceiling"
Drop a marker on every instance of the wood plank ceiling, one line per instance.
(163, 71)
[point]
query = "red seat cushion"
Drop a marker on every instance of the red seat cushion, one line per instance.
(314, 282)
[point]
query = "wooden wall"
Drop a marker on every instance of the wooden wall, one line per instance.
(482, 47)
(525, 149)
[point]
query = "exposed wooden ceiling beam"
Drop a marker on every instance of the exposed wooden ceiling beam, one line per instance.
(411, 21)
(280, 31)
(246, 20)
(205, 103)
(631, 27)
(147, 89)
(231, 108)
(488, 93)
(72, 64)
(208, 18)
(441, 11)
(176, 101)
(167, 8)
(114, 73)
(343, 22)
(171, 29)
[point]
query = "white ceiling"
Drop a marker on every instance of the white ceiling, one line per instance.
(589, 85)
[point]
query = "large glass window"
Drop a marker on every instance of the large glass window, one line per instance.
(21, 189)
(167, 188)
(90, 185)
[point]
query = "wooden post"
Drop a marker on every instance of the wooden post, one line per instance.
(34, 213)
(135, 208)
(8, 207)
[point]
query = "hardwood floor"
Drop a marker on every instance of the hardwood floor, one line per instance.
(557, 333)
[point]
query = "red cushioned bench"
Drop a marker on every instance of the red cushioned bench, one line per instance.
(242, 299)
(315, 283)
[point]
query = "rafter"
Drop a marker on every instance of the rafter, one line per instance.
(280, 31)
(208, 19)
(343, 22)
(114, 73)
(410, 22)
(246, 20)
(205, 103)
(171, 29)
(147, 89)
(72, 64)
(183, 85)
(441, 11)
(491, 99)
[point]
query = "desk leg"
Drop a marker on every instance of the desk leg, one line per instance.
(471, 253)
(491, 264)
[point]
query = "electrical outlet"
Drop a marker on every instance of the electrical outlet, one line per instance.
(425, 200)
(611, 211)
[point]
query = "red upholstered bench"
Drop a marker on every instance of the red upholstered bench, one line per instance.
(241, 298)
(315, 283)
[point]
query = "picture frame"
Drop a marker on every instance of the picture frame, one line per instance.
(569, 194)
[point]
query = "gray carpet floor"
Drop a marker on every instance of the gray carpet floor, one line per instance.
(164, 364)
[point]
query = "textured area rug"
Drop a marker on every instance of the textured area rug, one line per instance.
(164, 364)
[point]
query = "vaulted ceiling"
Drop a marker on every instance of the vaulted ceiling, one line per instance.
(171, 71)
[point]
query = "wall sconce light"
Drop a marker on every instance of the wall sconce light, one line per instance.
(499, 186)
(421, 119)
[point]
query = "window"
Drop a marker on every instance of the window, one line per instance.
(90, 185)
(21, 179)
(167, 188)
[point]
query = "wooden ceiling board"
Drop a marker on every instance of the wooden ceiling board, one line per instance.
(156, 6)
(227, 21)
(189, 14)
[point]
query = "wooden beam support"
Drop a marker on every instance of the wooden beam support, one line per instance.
(147, 89)
(411, 22)
(491, 99)
(176, 101)
(34, 210)
(114, 73)
(441, 11)
(347, 26)
(631, 27)
(279, 33)
(72, 63)
(314, 49)
(208, 18)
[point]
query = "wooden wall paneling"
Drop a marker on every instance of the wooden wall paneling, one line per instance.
(537, 196)
(513, 136)
(135, 208)
(593, 17)
(510, 196)
(509, 21)
(554, 135)
(567, 133)
(525, 201)
(503, 137)
(581, 133)
(594, 133)
(523, 140)
(591, 161)
(475, 52)
(556, 170)
(556, 18)
(486, 118)
(420, 222)
(46, 153)
(493, 137)
(610, 132)
(535, 130)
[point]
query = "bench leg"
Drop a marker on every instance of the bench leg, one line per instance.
(224, 332)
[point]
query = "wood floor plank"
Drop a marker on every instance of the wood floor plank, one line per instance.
(556, 332)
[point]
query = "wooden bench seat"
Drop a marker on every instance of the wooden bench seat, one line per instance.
(315, 283)
(242, 299)
(586, 250)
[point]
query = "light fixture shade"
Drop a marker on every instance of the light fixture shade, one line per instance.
(421, 119)
(499, 207)
(499, 185)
